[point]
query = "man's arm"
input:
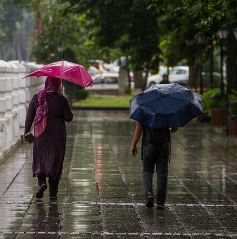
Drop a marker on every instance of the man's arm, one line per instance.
(136, 136)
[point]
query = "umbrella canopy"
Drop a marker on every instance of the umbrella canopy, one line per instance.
(165, 105)
(65, 70)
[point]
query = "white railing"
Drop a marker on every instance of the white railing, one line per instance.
(15, 95)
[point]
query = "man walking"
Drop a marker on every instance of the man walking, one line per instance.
(155, 153)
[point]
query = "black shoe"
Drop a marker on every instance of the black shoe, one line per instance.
(150, 200)
(52, 194)
(40, 191)
(53, 198)
(160, 206)
(53, 189)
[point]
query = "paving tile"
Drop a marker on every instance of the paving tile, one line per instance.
(101, 190)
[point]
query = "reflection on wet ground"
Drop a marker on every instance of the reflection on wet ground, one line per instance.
(101, 190)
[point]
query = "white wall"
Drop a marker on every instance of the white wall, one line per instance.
(15, 95)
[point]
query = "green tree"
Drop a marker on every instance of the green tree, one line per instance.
(128, 25)
(11, 34)
(190, 29)
(182, 39)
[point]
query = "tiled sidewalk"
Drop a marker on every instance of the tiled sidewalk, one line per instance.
(101, 191)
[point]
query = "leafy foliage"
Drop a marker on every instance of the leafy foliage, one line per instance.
(191, 27)
(57, 40)
(63, 35)
(74, 92)
(128, 25)
(213, 99)
(12, 19)
(144, 31)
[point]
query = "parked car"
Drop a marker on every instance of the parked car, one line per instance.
(105, 78)
(177, 74)
(92, 70)
(97, 78)
(110, 77)
(98, 64)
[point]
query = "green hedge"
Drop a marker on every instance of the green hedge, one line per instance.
(214, 99)
(75, 92)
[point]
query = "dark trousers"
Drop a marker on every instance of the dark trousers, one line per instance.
(53, 184)
(156, 156)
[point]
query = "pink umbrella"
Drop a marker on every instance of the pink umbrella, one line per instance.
(65, 70)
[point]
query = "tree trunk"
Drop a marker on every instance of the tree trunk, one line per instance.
(38, 26)
(38, 21)
(231, 65)
(139, 80)
(211, 67)
(201, 81)
(194, 75)
(122, 80)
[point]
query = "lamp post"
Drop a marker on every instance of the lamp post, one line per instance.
(222, 35)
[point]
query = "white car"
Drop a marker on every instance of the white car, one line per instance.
(110, 77)
(177, 74)
(105, 78)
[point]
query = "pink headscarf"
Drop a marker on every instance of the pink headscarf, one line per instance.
(41, 115)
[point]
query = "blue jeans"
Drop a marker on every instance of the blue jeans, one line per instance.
(156, 156)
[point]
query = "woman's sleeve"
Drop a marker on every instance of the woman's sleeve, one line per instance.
(68, 116)
(30, 116)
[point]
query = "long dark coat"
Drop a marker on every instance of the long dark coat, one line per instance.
(49, 147)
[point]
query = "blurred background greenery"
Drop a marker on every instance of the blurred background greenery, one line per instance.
(147, 33)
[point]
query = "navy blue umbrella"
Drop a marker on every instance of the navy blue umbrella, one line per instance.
(165, 105)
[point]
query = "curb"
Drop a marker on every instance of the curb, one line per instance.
(8, 152)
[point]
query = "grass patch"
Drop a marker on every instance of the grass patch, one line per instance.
(104, 101)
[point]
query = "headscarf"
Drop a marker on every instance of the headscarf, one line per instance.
(52, 84)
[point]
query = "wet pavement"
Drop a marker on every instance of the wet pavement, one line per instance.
(101, 190)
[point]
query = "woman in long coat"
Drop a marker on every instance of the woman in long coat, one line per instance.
(48, 110)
